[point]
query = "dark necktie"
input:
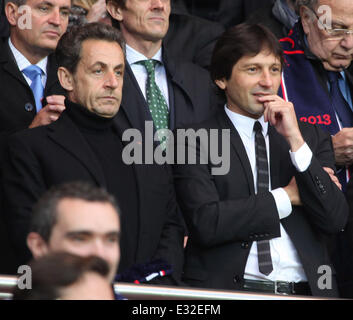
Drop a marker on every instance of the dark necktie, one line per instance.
(155, 99)
(344, 113)
(263, 246)
(342, 108)
(34, 73)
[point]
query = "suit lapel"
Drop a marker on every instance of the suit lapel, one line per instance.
(65, 133)
(133, 102)
(238, 148)
(52, 78)
(10, 65)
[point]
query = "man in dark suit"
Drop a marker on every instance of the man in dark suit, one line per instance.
(31, 46)
(33, 37)
(185, 88)
(263, 226)
(85, 144)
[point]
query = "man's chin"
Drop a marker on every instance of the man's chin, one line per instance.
(337, 65)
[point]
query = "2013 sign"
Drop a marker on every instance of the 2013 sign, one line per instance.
(324, 119)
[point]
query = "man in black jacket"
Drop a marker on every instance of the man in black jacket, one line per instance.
(85, 144)
(33, 37)
(263, 225)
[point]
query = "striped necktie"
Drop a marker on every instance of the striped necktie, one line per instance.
(263, 246)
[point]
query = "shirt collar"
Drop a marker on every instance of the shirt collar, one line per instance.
(22, 61)
(132, 56)
(245, 124)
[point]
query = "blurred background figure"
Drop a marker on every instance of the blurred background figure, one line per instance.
(279, 17)
(85, 11)
(67, 277)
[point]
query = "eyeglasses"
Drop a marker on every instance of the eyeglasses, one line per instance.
(337, 34)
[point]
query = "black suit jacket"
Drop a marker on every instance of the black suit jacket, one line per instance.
(17, 105)
(41, 157)
(224, 215)
(192, 96)
(190, 38)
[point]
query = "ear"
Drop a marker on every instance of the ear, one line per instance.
(12, 14)
(66, 79)
(115, 11)
(306, 19)
(37, 245)
(221, 83)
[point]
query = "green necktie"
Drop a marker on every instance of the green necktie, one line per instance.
(155, 99)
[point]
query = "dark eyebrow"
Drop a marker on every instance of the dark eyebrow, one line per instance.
(79, 232)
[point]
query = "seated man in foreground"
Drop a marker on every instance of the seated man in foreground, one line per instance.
(263, 225)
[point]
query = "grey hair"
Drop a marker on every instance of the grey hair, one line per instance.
(308, 3)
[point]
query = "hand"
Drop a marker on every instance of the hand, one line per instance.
(281, 115)
(50, 113)
(293, 193)
(343, 146)
(97, 11)
(334, 179)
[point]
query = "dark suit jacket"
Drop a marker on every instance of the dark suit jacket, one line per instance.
(192, 96)
(41, 157)
(17, 105)
(224, 215)
(190, 38)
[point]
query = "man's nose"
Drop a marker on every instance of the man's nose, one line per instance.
(157, 4)
(55, 17)
(266, 79)
(111, 80)
(347, 42)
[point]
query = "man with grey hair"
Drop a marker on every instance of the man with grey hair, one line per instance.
(316, 79)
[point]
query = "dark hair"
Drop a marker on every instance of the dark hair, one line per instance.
(53, 272)
(118, 3)
(68, 50)
(44, 215)
(242, 40)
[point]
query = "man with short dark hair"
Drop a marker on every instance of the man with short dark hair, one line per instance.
(78, 218)
(30, 94)
(28, 99)
(86, 144)
(262, 226)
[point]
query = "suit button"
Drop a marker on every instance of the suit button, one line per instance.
(236, 279)
(29, 107)
(245, 245)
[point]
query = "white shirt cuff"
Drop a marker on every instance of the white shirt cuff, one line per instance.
(301, 159)
(283, 204)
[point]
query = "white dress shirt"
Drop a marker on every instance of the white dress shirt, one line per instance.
(140, 72)
(23, 63)
(285, 259)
